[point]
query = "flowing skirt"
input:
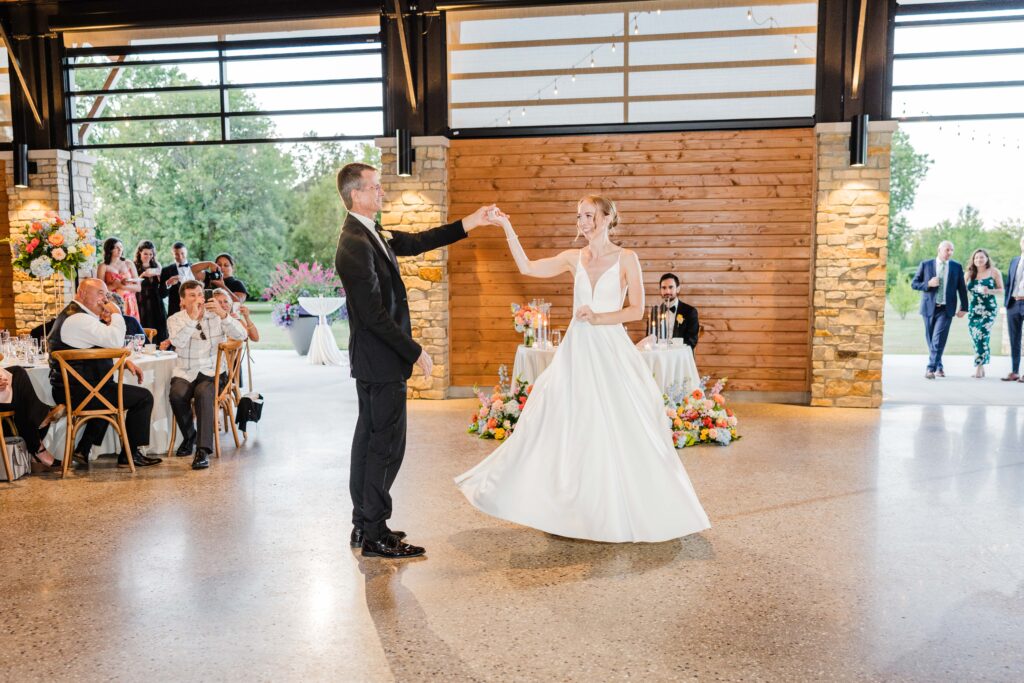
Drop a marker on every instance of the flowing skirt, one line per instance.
(591, 456)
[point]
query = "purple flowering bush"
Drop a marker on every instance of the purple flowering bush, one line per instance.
(290, 281)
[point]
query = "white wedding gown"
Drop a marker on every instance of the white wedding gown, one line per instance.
(591, 456)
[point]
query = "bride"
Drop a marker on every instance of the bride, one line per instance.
(591, 456)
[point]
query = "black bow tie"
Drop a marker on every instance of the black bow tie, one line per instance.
(672, 308)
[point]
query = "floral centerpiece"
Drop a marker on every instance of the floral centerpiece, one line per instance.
(499, 412)
(291, 281)
(700, 416)
(53, 245)
(526, 319)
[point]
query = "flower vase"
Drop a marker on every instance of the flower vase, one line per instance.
(528, 337)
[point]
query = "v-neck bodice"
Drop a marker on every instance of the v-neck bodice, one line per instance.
(603, 295)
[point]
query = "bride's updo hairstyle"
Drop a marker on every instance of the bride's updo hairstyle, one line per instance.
(604, 205)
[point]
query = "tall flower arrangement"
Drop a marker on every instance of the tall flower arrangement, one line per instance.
(53, 245)
(291, 281)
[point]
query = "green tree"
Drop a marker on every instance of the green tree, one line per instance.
(234, 198)
(903, 298)
(907, 169)
(319, 211)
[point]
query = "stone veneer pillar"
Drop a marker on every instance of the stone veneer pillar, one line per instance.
(34, 300)
(415, 203)
(851, 231)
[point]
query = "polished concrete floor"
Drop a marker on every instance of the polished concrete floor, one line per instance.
(903, 381)
(846, 545)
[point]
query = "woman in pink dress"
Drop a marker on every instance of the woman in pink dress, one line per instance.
(120, 275)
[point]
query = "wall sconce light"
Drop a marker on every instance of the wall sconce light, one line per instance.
(23, 168)
(859, 140)
(406, 154)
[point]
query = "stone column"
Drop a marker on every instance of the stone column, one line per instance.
(851, 231)
(35, 300)
(414, 203)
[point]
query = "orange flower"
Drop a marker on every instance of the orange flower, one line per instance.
(37, 226)
(492, 423)
(697, 393)
(719, 399)
(56, 239)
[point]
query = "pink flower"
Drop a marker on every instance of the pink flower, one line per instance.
(713, 433)
(31, 246)
(58, 254)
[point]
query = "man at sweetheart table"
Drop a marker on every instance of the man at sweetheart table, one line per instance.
(381, 350)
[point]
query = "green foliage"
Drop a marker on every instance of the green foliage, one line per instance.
(907, 169)
(902, 297)
(262, 203)
(967, 233)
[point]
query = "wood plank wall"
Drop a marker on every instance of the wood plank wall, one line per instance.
(730, 212)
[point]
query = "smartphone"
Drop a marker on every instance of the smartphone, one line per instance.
(207, 294)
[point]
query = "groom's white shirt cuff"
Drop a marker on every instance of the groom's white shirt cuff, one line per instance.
(371, 226)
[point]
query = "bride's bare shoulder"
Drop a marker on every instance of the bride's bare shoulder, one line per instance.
(571, 257)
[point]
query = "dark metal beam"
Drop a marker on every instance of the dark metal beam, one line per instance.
(998, 52)
(959, 86)
(956, 7)
(649, 127)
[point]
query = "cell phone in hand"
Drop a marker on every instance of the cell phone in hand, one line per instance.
(208, 294)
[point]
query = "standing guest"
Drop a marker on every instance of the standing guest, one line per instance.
(32, 417)
(91, 321)
(196, 331)
(224, 277)
(983, 282)
(940, 281)
(119, 274)
(151, 306)
(1015, 311)
(176, 273)
(132, 326)
(381, 350)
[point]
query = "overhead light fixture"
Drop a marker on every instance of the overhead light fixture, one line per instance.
(406, 155)
(21, 165)
(859, 140)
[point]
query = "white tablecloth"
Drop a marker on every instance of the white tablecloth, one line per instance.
(156, 376)
(670, 366)
(323, 350)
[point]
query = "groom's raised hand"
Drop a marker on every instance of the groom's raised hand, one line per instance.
(478, 218)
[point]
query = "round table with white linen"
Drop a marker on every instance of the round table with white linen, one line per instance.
(671, 365)
(323, 349)
(156, 376)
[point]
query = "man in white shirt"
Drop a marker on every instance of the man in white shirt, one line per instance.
(1015, 312)
(196, 331)
(92, 321)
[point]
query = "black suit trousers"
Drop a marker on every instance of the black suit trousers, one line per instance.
(378, 447)
(138, 408)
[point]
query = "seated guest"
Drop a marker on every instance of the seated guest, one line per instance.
(195, 331)
(683, 323)
(91, 321)
(132, 326)
(239, 312)
(178, 272)
(32, 417)
(224, 277)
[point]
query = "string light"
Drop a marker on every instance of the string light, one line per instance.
(508, 119)
(556, 88)
(573, 76)
(524, 111)
(772, 23)
(796, 47)
(592, 64)
(750, 15)
(613, 47)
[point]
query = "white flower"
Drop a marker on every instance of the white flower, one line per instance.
(70, 235)
(41, 267)
(386, 234)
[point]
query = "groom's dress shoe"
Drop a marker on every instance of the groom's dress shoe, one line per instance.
(139, 459)
(356, 538)
(391, 547)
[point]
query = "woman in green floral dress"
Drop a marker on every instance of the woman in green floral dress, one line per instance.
(983, 282)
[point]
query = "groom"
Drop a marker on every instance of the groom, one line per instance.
(381, 350)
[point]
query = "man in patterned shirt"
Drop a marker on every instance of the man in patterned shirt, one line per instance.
(195, 331)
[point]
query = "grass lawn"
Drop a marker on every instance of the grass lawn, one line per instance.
(907, 336)
(273, 337)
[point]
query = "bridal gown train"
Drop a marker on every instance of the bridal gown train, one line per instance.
(591, 456)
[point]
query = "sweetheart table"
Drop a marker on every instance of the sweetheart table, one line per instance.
(671, 364)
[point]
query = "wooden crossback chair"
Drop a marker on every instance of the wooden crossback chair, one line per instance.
(78, 415)
(229, 355)
(7, 416)
(150, 333)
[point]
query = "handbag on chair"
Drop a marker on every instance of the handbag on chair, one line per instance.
(250, 406)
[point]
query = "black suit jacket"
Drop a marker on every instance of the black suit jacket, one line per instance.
(689, 330)
(170, 293)
(381, 347)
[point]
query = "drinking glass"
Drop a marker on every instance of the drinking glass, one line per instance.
(139, 342)
(557, 337)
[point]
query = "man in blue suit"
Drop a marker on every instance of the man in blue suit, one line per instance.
(939, 280)
(1015, 311)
